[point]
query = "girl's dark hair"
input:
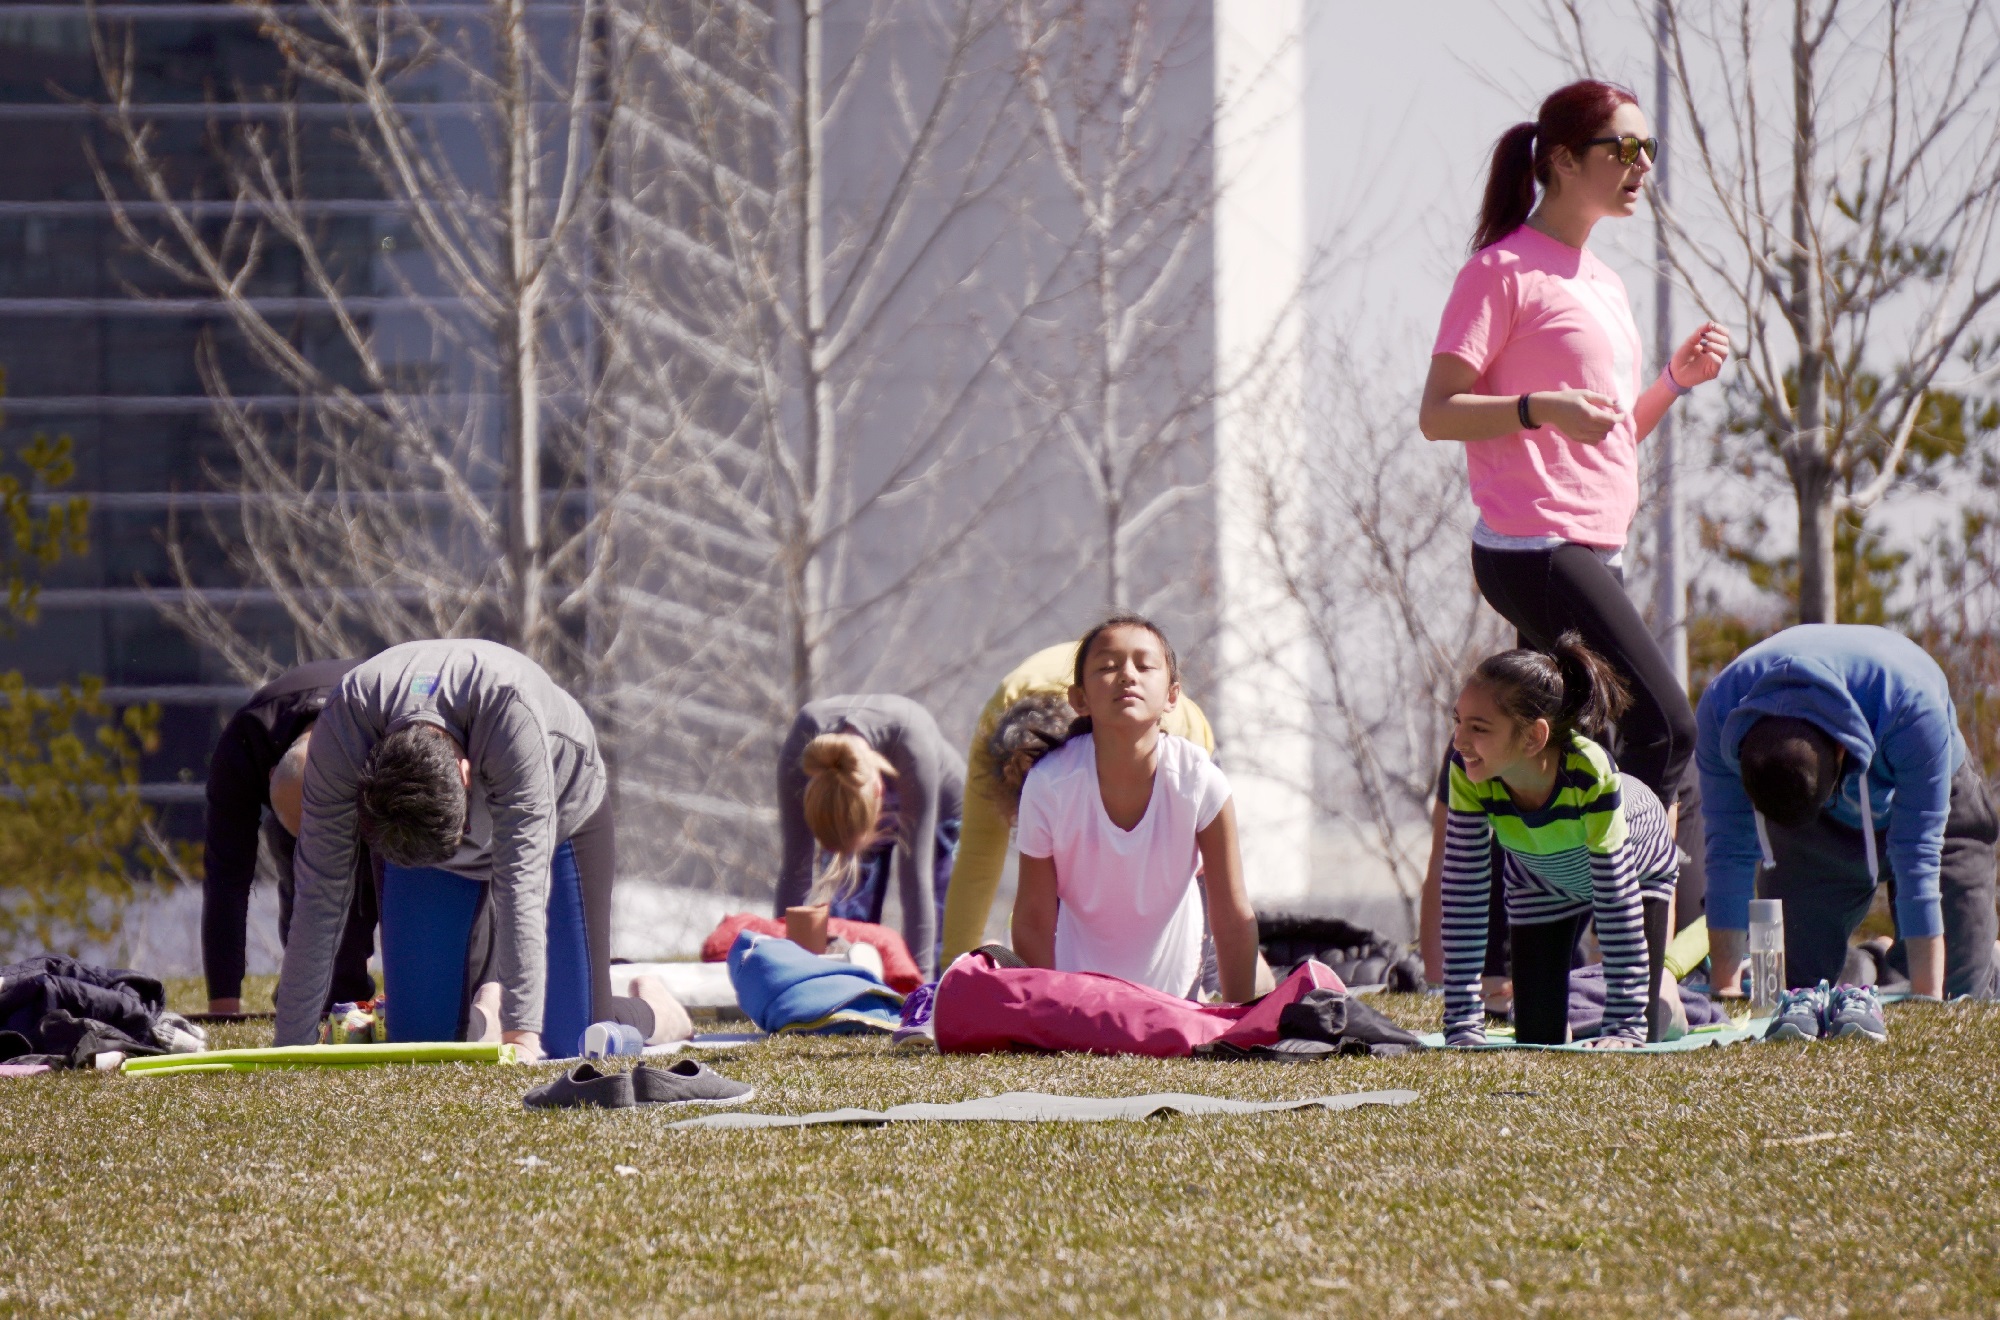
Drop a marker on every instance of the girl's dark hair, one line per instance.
(1572, 687)
(1570, 117)
(1027, 731)
(1081, 725)
(1126, 621)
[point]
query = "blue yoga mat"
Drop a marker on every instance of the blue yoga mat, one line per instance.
(427, 920)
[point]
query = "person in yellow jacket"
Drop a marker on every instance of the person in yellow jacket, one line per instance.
(985, 833)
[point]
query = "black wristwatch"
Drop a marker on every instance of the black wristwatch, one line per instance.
(1521, 410)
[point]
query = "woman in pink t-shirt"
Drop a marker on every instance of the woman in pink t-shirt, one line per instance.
(1537, 370)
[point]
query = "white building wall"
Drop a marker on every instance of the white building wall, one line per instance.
(1262, 710)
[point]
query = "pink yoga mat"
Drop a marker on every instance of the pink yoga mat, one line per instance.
(983, 1008)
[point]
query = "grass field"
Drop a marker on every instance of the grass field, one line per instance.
(1824, 1180)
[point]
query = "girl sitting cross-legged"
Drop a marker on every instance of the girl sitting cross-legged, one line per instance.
(1116, 824)
(1579, 841)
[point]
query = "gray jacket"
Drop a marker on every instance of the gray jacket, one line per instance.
(536, 777)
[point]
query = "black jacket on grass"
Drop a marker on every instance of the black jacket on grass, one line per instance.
(50, 983)
(239, 796)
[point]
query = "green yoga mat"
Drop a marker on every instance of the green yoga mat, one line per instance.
(1698, 1038)
(317, 1056)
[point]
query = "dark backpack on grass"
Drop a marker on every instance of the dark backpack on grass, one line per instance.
(1357, 955)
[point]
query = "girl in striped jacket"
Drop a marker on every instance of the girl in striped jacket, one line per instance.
(1579, 841)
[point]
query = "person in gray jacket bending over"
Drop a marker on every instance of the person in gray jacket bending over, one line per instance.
(478, 784)
(863, 776)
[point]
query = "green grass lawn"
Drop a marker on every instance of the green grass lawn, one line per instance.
(1573, 1185)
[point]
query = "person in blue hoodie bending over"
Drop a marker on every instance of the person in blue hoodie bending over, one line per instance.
(1788, 739)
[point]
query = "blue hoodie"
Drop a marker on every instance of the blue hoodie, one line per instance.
(1882, 698)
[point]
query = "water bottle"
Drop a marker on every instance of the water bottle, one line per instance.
(1767, 954)
(605, 1040)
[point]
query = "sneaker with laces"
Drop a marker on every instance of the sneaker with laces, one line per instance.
(1801, 1014)
(1853, 1010)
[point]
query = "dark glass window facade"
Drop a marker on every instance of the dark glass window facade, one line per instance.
(100, 345)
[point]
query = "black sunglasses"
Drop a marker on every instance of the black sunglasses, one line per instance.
(1629, 147)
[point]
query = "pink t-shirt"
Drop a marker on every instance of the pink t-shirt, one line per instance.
(1530, 313)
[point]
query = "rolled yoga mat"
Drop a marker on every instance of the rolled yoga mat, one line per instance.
(317, 1056)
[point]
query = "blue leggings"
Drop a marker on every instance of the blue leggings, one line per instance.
(437, 945)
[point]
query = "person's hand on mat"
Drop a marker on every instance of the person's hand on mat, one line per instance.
(1700, 357)
(1583, 415)
(527, 1045)
(1611, 1043)
(225, 1005)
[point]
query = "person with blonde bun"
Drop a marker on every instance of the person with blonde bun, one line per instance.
(862, 778)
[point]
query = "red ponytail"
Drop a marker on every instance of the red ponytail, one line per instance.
(1569, 118)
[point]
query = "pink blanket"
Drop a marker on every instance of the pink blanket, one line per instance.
(982, 1007)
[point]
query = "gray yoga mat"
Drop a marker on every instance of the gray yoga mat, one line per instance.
(1037, 1107)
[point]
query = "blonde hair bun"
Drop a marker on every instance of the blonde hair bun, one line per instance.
(839, 754)
(842, 805)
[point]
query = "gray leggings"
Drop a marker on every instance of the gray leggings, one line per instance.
(1822, 877)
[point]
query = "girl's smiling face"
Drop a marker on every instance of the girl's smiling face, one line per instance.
(1489, 740)
(1127, 686)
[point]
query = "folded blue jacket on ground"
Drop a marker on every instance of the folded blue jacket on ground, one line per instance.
(781, 986)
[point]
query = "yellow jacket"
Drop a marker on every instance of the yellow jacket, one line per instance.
(984, 835)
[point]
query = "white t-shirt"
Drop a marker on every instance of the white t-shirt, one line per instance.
(1130, 906)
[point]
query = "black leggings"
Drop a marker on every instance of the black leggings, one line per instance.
(1543, 593)
(1542, 952)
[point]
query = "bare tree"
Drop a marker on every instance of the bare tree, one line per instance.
(1368, 537)
(1127, 382)
(822, 269)
(1839, 209)
(425, 474)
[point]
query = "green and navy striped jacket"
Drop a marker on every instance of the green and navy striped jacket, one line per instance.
(1597, 845)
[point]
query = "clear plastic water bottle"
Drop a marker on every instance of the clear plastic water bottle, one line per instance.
(604, 1040)
(1767, 954)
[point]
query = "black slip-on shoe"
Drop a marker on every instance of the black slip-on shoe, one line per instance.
(583, 1087)
(687, 1083)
